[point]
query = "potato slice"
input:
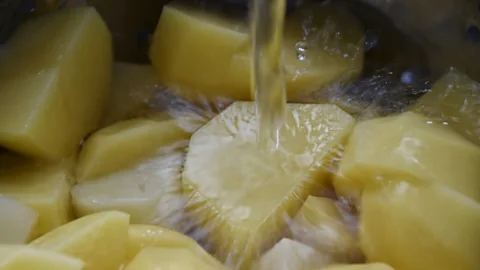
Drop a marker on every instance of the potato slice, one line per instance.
(52, 96)
(420, 227)
(124, 144)
(43, 187)
(368, 266)
(454, 99)
(320, 224)
(142, 236)
(13, 257)
(133, 85)
(152, 258)
(18, 221)
(410, 147)
(100, 240)
(151, 192)
(241, 193)
(292, 255)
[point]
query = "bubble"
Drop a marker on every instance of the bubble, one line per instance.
(301, 49)
(408, 77)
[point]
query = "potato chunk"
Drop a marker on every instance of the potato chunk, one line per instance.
(124, 144)
(410, 147)
(320, 224)
(292, 255)
(133, 86)
(13, 257)
(43, 187)
(420, 227)
(17, 223)
(241, 193)
(454, 99)
(100, 240)
(54, 78)
(368, 266)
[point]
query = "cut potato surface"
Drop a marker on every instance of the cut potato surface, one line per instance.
(153, 258)
(410, 147)
(420, 227)
(43, 187)
(320, 224)
(151, 191)
(292, 255)
(100, 240)
(369, 266)
(17, 221)
(241, 194)
(52, 95)
(454, 99)
(16, 257)
(133, 85)
(124, 144)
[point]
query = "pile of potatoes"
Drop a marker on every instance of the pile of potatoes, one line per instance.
(109, 165)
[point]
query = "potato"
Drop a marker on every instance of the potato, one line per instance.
(213, 59)
(409, 147)
(43, 187)
(292, 255)
(320, 225)
(418, 227)
(18, 221)
(150, 191)
(16, 257)
(133, 86)
(124, 144)
(100, 240)
(239, 193)
(368, 266)
(54, 78)
(454, 100)
(152, 258)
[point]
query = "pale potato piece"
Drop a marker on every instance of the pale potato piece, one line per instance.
(240, 193)
(17, 257)
(368, 266)
(410, 147)
(100, 240)
(124, 144)
(320, 224)
(18, 221)
(454, 99)
(51, 96)
(153, 258)
(292, 255)
(418, 227)
(150, 191)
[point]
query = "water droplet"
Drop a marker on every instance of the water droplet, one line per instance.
(445, 123)
(346, 55)
(301, 49)
(408, 77)
(371, 40)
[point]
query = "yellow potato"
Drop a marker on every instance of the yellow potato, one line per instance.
(320, 224)
(124, 144)
(142, 236)
(291, 255)
(100, 240)
(18, 221)
(133, 85)
(54, 78)
(239, 193)
(13, 257)
(153, 258)
(368, 266)
(454, 99)
(410, 147)
(150, 191)
(43, 187)
(419, 227)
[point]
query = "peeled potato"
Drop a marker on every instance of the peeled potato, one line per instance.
(100, 240)
(124, 144)
(18, 221)
(320, 224)
(410, 147)
(240, 193)
(16, 257)
(54, 78)
(418, 227)
(455, 100)
(368, 266)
